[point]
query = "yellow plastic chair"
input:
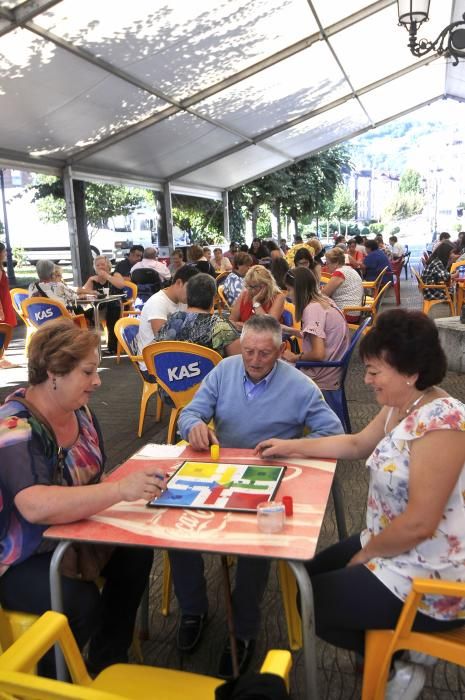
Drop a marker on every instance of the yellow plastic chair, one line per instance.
(127, 330)
(373, 286)
(119, 681)
(367, 310)
(130, 290)
(39, 310)
(18, 294)
(428, 303)
(12, 625)
(223, 302)
(288, 319)
(380, 645)
(179, 367)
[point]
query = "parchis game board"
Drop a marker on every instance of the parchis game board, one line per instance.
(220, 486)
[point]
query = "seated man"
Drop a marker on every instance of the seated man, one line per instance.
(375, 261)
(150, 260)
(249, 396)
(198, 324)
(157, 308)
(124, 266)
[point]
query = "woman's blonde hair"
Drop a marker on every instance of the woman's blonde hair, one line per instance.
(335, 255)
(103, 257)
(58, 347)
(258, 274)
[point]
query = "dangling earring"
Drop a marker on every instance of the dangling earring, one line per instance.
(54, 383)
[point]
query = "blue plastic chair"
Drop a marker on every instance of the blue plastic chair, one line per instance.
(336, 398)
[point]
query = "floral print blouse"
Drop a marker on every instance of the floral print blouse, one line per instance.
(441, 556)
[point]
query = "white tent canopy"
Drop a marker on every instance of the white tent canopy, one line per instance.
(204, 95)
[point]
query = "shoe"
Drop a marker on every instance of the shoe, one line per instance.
(108, 353)
(245, 650)
(190, 631)
(406, 683)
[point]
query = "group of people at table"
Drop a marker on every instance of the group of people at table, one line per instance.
(438, 264)
(53, 460)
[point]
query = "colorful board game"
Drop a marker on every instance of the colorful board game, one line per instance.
(220, 486)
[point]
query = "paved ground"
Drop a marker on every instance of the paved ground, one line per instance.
(117, 406)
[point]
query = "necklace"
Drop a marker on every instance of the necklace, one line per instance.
(410, 408)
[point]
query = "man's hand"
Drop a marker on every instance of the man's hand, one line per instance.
(201, 437)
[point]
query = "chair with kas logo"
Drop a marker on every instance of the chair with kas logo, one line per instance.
(39, 310)
(179, 367)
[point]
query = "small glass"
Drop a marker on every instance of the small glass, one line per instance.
(106, 291)
(270, 517)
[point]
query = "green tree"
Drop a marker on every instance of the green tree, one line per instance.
(404, 205)
(201, 218)
(410, 181)
(343, 206)
(102, 201)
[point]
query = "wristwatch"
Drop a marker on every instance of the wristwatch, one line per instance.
(256, 304)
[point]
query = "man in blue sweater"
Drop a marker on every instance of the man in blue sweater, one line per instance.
(250, 396)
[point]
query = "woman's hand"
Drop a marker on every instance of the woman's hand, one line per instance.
(260, 296)
(273, 447)
(146, 484)
(360, 558)
(290, 356)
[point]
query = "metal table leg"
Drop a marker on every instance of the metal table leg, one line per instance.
(56, 595)
(308, 629)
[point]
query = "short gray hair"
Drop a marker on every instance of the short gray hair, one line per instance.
(263, 323)
(45, 269)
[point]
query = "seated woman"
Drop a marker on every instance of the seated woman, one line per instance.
(415, 526)
(48, 286)
(303, 258)
(220, 262)
(436, 271)
(345, 286)
(198, 324)
(324, 329)
(42, 484)
(260, 296)
(104, 279)
(234, 282)
(258, 251)
(197, 258)
(355, 257)
(279, 268)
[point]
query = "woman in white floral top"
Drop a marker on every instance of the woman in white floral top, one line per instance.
(415, 525)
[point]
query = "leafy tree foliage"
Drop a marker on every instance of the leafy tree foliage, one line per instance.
(410, 181)
(201, 218)
(102, 201)
(405, 204)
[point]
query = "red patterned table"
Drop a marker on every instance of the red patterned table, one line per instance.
(307, 481)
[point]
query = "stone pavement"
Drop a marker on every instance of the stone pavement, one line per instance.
(117, 406)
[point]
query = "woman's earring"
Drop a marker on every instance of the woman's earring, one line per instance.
(54, 383)
(408, 383)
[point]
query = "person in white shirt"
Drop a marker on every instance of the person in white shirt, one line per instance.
(397, 249)
(159, 306)
(220, 262)
(150, 260)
